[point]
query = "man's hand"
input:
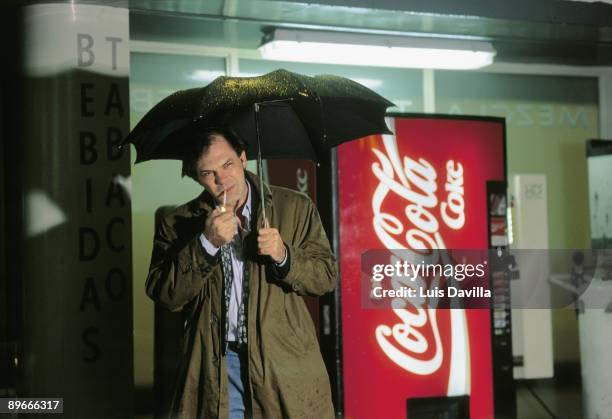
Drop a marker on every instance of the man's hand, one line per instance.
(271, 244)
(220, 227)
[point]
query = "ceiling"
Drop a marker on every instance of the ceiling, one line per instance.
(522, 31)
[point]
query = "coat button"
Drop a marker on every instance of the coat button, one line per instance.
(213, 319)
(187, 268)
(296, 286)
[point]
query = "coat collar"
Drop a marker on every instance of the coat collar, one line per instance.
(205, 203)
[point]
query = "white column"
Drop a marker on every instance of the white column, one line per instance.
(76, 246)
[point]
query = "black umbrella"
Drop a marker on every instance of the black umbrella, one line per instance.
(279, 114)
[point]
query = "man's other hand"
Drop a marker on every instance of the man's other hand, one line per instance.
(271, 244)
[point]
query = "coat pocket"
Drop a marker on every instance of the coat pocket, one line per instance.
(298, 323)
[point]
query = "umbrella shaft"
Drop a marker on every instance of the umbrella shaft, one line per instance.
(260, 166)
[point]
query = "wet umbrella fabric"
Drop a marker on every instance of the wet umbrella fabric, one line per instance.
(298, 116)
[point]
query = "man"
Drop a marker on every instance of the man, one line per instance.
(250, 347)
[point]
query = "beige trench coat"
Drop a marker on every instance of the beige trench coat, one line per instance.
(286, 372)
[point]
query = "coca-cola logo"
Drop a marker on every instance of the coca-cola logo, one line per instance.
(414, 342)
(415, 182)
(407, 339)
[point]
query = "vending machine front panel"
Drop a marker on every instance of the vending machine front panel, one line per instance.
(424, 187)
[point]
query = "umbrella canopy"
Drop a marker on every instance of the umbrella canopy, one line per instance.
(297, 115)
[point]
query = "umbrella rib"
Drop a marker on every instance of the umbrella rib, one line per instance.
(266, 102)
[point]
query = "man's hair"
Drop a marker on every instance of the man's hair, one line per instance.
(200, 142)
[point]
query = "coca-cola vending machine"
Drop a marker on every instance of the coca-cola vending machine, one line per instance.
(425, 187)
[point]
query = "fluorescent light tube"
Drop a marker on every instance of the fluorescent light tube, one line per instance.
(375, 50)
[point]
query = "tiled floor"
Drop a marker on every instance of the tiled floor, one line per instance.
(563, 401)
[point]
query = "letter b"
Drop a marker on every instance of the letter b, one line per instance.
(113, 139)
(88, 151)
(84, 51)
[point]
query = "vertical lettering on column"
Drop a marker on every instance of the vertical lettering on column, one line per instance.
(102, 104)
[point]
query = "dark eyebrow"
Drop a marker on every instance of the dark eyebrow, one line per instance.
(230, 160)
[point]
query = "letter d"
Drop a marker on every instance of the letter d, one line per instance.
(84, 254)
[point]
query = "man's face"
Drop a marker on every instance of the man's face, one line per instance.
(220, 170)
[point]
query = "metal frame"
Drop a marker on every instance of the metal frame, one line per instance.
(233, 55)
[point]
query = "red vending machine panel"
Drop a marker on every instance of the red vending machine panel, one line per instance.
(299, 175)
(422, 188)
